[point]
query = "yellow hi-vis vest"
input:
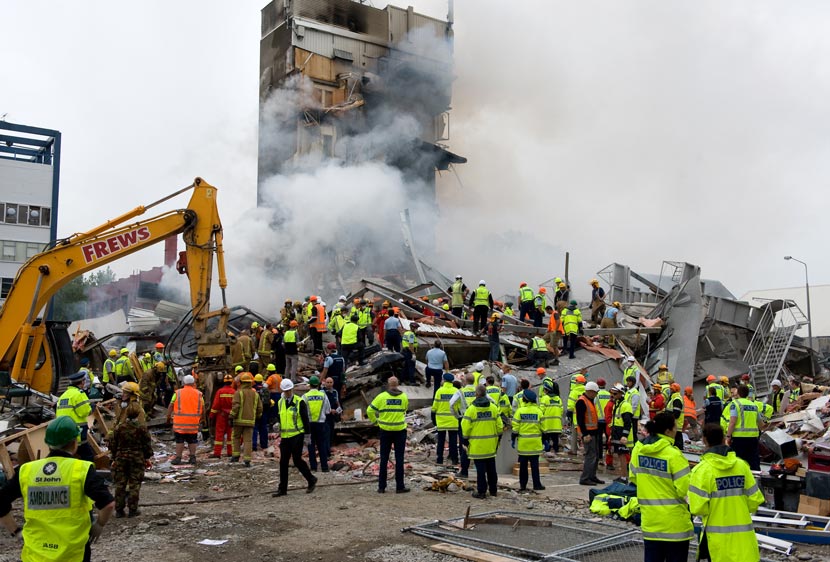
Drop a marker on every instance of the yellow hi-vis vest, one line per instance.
(457, 294)
(291, 424)
(661, 474)
(551, 405)
(445, 419)
(482, 425)
(632, 395)
(603, 397)
(364, 318)
(75, 405)
(349, 334)
(336, 323)
(527, 424)
(624, 407)
(482, 297)
(539, 344)
(747, 414)
(109, 371)
(718, 390)
(469, 394)
(123, 367)
(493, 393)
(409, 341)
(526, 294)
(290, 336)
(389, 411)
(56, 509)
(570, 320)
(314, 398)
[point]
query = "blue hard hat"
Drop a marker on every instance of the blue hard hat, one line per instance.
(448, 377)
(529, 396)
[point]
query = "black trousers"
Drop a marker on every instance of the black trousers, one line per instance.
(457, 311)
(486, 476)
(408, 366)
(538, 316)
(291, 449)
(526, 310)
(393, 340)
(436, 375)
(442, 438)
(533, 461)
(746, 448)
(666, 551)
(348, 348)
(463, 444)
(570, 344)
(551, 441)
(387, 440)
(316, 339)
(480, 316)
(318, 445)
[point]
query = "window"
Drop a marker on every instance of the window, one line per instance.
(11, 213)
(30, 215)
(32, 250)
(5, 286)
(45, 216)
(9, 250)
(33, 216)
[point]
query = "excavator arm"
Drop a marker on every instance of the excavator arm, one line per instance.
(21, 329)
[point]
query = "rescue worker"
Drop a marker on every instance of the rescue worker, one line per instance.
(795, 392)
(494, 327)
(336, 323)
(340, 304)
(292, 351)
(554, 333)
(587, 420)
(147, 386)
(247, 347)
(124, 368)
(744, 428)
(664, 376)
(260, 433)
(186, 412)
(551, 405)
(220, 411)
(273, 383)
(597, 302)
(130, 450)
(631, 368)
(365, 333)
(537, 352)
(482, 302)
(265, 347)
(526, 297)
(129, 394)
(745, 380)
(609, 321)
(246, 409)
(437, 364)
(623, 425)
(562, 295)
(334, 367)
(287, 313)
(726, 392)
(572, 326)
(603, 396)
(58, 526)
(539, 303)
(723, 492)
(74, 404)
(392, 331)
(508, 309)
(777, 397)
(317, 324)
(294, 432)
(388, 411)
(445, 420)
(409, 349)
(689, 409)
(713, 406)
(457, 290)
(493, 392)
(658, 401)
(675, 406)
(482, 428)
(235, 349)
(661, 474)
(334, 415)
(632, 395)
(577, 387)
(108, 372)
(712, 382)
(278, 349)
(527, 435)
(318, 408)
(350, 340)
(146, 362)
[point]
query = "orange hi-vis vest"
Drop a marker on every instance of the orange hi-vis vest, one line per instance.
(689, 409)
(591, 418)
(320, 322)
(188, 410)
(555, 323)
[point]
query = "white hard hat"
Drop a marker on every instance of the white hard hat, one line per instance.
(286, 385)
(630, 359)
(322, 303)
(458, 277)
(482, 282)
(618, 387)
(188, 379)
(436, 302)
(592, 386)
(342, 298)
(478, 366)
(776, 382)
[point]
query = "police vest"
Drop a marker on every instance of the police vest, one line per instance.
(56, 509)
(74, 404)
(539, 344)
(526, 294)
(493, 393)
(469, 393)
(482, 297)
(349, 336)
(747, 418)
(481, 426)
(539, 301)
(457, 294)
(551, 413)
(314, 398)
(389, 411)
(188, 410)
(291, 423)
(676, 405)
(445, 419)
(290, 336)
(409, 340)
(632, 395)
(337, 367)
(603, 397)
(527, 424)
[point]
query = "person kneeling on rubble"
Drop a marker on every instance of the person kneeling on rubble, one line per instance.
(482, 427)
(728, 533)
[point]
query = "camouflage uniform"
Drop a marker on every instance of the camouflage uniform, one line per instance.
(147, 387)
(130, 449)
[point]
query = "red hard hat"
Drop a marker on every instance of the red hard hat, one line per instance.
(312, 298)
(542, 290)
(711, 378)
(745, 377)
(159, 345)
(522, 284)
(601, 382)
(689, 390)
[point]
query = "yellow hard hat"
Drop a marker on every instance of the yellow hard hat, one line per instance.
(561, 285)
(131, 387)
(160, 365)
(113, 353)
(258, 378)
(246, 377)
(594, 282)
(616, 304)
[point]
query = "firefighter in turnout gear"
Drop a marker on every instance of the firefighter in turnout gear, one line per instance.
(220, 412)
(245, 411)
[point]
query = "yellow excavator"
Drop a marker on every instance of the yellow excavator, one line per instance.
(30, 348)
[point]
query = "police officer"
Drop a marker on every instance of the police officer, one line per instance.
(744, 428)
(661, 474)
(294, 431)
(527, 431)
(318, 408)
(75, 405)
(551, 404)
(724, 493)
(482, 427)
(388, 411)
(445, 420)
(58, 493)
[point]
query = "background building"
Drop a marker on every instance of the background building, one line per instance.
(29, 178)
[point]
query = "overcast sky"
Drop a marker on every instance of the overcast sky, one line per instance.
(621, 131)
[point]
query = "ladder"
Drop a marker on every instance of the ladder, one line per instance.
(768, 516)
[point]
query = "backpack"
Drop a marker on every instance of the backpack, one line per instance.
(265, 397)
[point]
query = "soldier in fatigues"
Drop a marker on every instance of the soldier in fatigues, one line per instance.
(130, 449)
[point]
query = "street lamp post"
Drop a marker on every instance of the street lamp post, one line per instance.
(809, 315)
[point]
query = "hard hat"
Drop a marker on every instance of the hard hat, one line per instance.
(601, 382)
(159, 345)
(711, 378)
(446, 307)
(131, 387)
(271, 368)
(776, 382)
(61, 431)
(594, 282)
(287, 301)
(496, 315)
(160, 365)
(147, 355)
(286, 385)
(246, 377)
(745, 377)
(254, 325)
(592, 386)
(541, 371)
(425, 299)
(478, 366)
(543, 291)
(522, 284)
(630, 359)
(297, 303)
(237, 369)
(227, 378)
(573, 302)
(331, 346)
(77, 376)
(557, 280)
(724, 380)
(663, 367)
(482, 282)
(314, 380)
(529, 396)
(293, 324)
(124, 350)
(508, 303)
(618, 388)
(657, 386)
(689, 390)
(312, 298)
(258, 378)
(342, 298)
(323, 303)
(616, 304)
(579, 378)
(113, 353)
(188, 379)
(561, 285)
(458, 277)
(396, 310)
(674, 387)
(436, 302)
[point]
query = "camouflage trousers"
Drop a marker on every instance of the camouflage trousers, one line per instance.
(127, 474)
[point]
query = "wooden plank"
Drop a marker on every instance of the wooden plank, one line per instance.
(19, 434)
(468, 553)
(6, 461)
(620, 331)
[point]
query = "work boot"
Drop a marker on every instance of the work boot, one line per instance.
(311, 485)
(234, 459)
(177, 460)
(402, 491)
(555, 363)
(478, 496)
(134, 512)
(278, 493)
(119, 513)
(247, 464)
